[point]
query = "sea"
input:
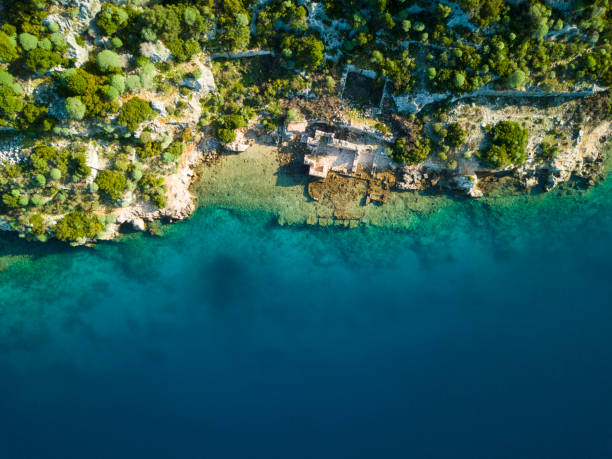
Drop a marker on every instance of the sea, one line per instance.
(483, 331)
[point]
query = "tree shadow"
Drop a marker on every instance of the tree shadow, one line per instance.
(292, 171)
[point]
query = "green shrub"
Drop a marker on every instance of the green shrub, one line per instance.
(8, 49)
(148, 149)
(10, 103)
(44, 156)
(40, 60)
(168, 158)
(6, 79)
(75, 108)
(28, 41)
(118, 82)
(77, 225)
(10, 201)
(122, 162)
(459, 80)
(111, 184)
(46, 44)
(133, 83)
(53, 27)
(74, 82)
(134, 112)
(455, 135)
(40, 180)
(108, 61)
(34, 115)
(176, 148)
(116, 42)
(226, 135)
(292, 115)
(78, 165)
(231, 121)
(136, 174)
(111, 93)
(236, 33)
(60, 44)
(548, 151)
(55, 174)
(37, 200)
(148, 34)
(90, 89)
(183, 50)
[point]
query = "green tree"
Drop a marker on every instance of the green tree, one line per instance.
(111, 18)
(307, 51)
(442, 11)
(111, 184)
(516, 79)
(237, 34)
(459, 80)
(164, 21)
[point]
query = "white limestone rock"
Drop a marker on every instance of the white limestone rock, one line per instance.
(240, 144)
(138, 224)
(10, 150)
(155, 52)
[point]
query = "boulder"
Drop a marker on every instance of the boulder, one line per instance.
(467, 184)
(159, 107)
(240, 144)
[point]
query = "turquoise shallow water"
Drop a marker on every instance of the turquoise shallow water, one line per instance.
(486, 332)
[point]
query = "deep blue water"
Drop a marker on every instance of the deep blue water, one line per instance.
(484, 333)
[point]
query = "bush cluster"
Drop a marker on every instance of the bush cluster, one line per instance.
(404, 152)
(509, 140)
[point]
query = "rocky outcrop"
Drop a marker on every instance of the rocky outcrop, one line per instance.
(420, 177)
(71, 27)
(429, 176)
(466, 184)
(576, 161)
